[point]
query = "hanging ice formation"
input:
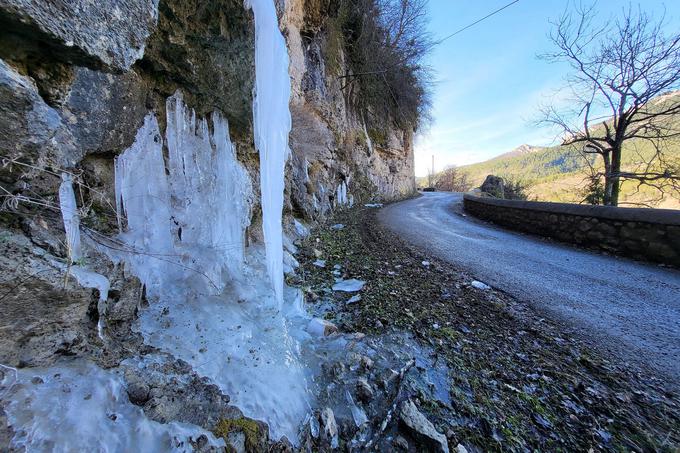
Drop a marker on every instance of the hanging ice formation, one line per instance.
(272, 124)
(342, 198)
(69, 214)
(211, 304)
(193, 220)
(84, 277)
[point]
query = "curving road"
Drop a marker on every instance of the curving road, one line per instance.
(629, 308)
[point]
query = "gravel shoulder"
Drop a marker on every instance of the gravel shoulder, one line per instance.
(626, 308)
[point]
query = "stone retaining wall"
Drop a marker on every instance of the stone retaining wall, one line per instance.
(646, 234)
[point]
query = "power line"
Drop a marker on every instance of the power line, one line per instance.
(476, 22)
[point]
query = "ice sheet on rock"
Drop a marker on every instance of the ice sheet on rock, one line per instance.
(69, 214)
(369, 143)
(300, 228)
(80, 407)
(272, 124)
(351, 285)
(251, 351)
(89, 279)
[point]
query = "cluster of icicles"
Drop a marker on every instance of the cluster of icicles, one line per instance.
(182, 228)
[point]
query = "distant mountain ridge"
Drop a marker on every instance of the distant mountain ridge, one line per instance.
(520, 150)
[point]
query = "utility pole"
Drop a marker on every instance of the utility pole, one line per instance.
(431, 172)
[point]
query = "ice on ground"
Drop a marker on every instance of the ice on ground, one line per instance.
(300, 228)
(479, 285)
(319, 263)
(353, 300)
(320, 327)
(358, 414)
(272, 124)
(373, 205)
(350, 286)
(77, 406)
(337, 226)
(426, 263)
(247, 348)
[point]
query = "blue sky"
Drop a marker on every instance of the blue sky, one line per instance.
(489, 83)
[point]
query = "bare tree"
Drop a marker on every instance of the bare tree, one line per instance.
(386, 42)
(453, 180)
(620, 71)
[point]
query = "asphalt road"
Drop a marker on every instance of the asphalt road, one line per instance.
(628, 308)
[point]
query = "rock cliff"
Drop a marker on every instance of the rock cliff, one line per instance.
(79, 82)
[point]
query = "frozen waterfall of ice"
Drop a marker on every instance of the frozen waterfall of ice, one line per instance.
(272, 124)
(193, 220)
(211, 303)
(77, 406)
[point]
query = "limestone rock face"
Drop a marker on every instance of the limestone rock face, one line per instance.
(108, 32)
(329, 141)
(77, 79)
(206, 50)
(103, 111)
(28, 126)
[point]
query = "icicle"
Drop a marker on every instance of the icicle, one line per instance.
(85, 278)
(145, 199)
(271, 126)
(69, 213)
(89, 279)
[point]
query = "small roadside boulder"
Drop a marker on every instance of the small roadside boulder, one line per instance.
(494, 186)
(421, 429)
(138, 393)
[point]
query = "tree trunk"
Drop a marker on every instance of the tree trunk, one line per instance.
(608, 182)
(614, 175)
